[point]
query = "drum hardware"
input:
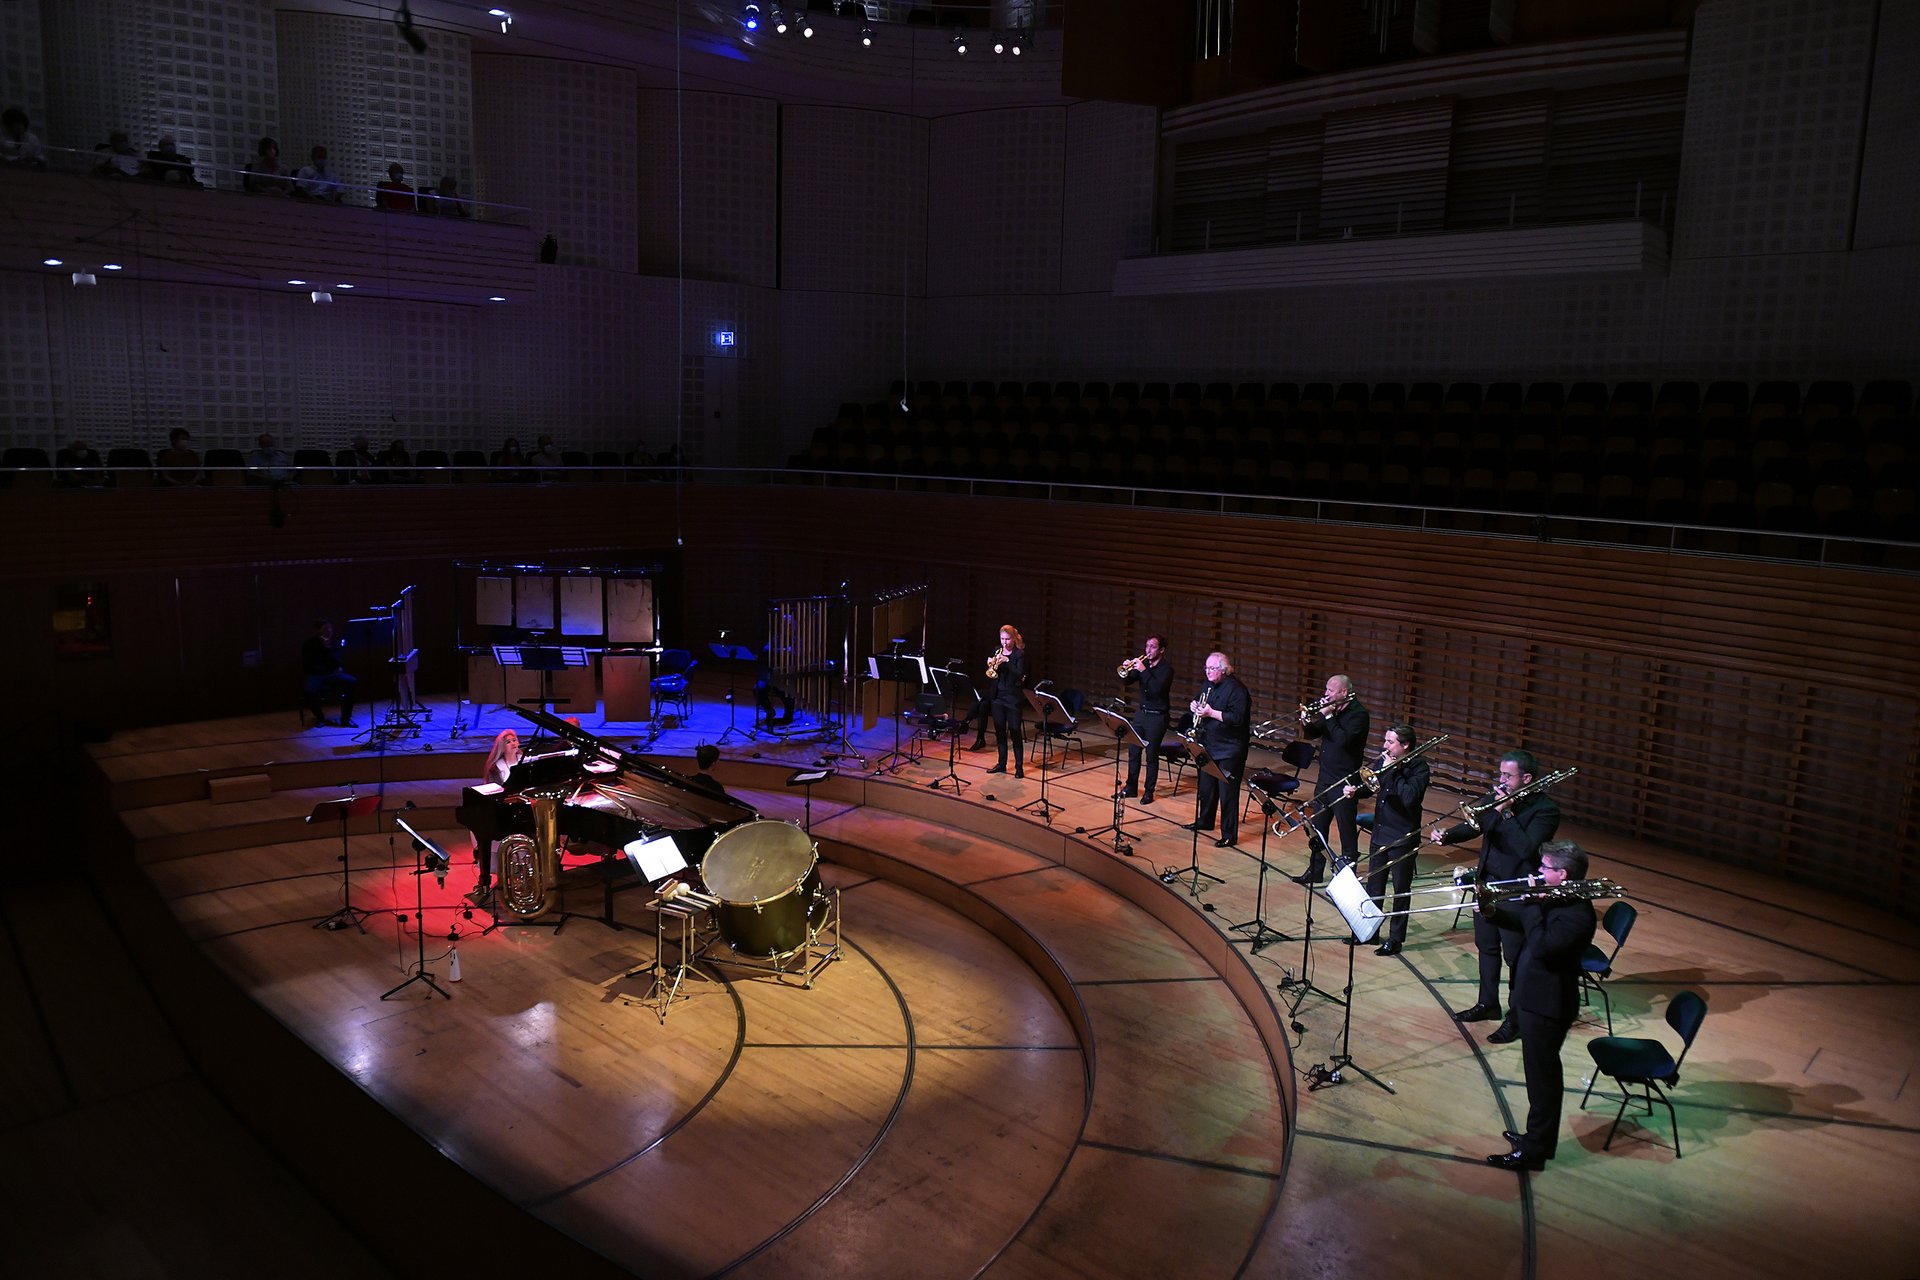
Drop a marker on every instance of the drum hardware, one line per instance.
(772, 912)
(687, 908)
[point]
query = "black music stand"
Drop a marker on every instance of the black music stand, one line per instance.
(1202, 763)
(546, 659)
(733, 655)
(1362, 915)
(897, 669)
(348, 806)
(1260, 932)
(951, 684)
(806, 778)
(364, 634)
(427, 861)
(1123, 730)
(1044, 704)
(1303, 986)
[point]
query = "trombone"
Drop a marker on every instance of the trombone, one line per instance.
(1523, 889)
(1470, 810)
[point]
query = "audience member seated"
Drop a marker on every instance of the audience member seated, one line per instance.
(179, 462)
(268, 463)
(80, 467)
(509, 464)
(19, 147)
(705, 756)
(325, 680)
(120, 160)
(544, 453)
(356, 462)
(394, 195)
(317, 182)
(265, 175)
(446, 201)
(166, 164)
(395, 464)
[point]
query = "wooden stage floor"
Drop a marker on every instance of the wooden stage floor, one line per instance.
(1035, 1057)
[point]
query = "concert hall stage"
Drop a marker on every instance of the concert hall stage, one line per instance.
(1033, 1056)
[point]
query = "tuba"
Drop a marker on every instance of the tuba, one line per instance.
(530, 865)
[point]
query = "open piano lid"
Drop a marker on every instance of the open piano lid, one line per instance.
(656, 795)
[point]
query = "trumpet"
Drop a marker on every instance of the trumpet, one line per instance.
(996, 660)
(1195, 707)
(1133, 664)
(1470, 812)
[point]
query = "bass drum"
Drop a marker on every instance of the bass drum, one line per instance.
(767, 877)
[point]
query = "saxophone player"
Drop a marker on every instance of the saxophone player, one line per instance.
(1006, 673)
(1222, 720)
(1512, 832)
(1154, 674)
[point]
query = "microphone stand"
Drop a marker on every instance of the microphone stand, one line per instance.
(421, 972)
(1261, 933)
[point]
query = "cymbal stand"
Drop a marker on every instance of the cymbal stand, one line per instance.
(1261, 933)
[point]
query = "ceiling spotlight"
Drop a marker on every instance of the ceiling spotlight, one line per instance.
(866, 36)
(506, 19)
(779, 21)
(806, 25)
(110, 266)
(960, 43)
(296, 282)
(53, 262)
(999, 45)
(496, 298)
(343, 286)
(750, 17)
(1016, 44)
(84, 279)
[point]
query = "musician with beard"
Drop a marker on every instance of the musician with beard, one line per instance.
(1401, 783)
(1222, 718)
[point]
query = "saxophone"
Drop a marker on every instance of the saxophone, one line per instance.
(530, 865)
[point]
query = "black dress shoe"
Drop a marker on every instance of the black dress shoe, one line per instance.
(348, 724)
(1513, 1139)
(1517, 1160)
(1126, 794)
(1018, 771)
(1478, 1013)
(978, 744)
(1193, 826)
(996, 768)
(1147, 798)
(1505, 1033)
(1387, 949)
(1225, 844)
(1304, 880)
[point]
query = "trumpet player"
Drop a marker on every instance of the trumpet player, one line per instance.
(1340, 722)
(1006, 673)
(1222, 720)
(1512, 831)
(1546, 995)
(1401, 784)
(1154, 674)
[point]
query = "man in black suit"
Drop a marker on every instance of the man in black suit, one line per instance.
(1223, 716)
(1341, 724)
(1401, 783)
(1154, 674)
(1512, 833)
(1546, 995)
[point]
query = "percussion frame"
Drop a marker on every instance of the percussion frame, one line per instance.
(686, 909)
(806, 963)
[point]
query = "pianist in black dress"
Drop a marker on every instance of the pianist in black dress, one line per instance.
(500, 762)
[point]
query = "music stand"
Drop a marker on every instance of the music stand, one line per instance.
(1362, 915)
(423, 865)
(1303, 985)
(363, 634)
(733, 655)
(806, 778)
(1122, 731)
(546, 659)
(897, 669)
(1261, 933)
(952, 687)
(1202, 763)
(1045, 704)
(348, 806)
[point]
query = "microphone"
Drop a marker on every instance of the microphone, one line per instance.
(440, 872)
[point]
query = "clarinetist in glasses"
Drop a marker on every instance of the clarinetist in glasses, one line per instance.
(1222, 722)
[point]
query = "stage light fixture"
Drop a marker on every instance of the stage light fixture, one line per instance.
(866, 36)
(806, 25)
(84, 279)
(506, 19)
(1015, 46)
(343, 286)
(779, 21)
(999, 45)
(496, 298)
(110, 266)
(321, 295)
(750, 16)
(299, 282)
(53, 262)
(960, 43)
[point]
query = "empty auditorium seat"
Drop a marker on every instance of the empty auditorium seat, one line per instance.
(1826, 400)
(1774, 400)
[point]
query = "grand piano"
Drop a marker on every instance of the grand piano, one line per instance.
(608, 797)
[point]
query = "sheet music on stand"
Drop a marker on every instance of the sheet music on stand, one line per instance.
(899, 669)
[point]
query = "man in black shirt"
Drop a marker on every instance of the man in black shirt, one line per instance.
(1401, 783)
(1154, 674)
(1341, 724)
(325, 679)
(1223, 715)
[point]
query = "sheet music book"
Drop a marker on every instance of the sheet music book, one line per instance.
(1361, 912)
(655, 859)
